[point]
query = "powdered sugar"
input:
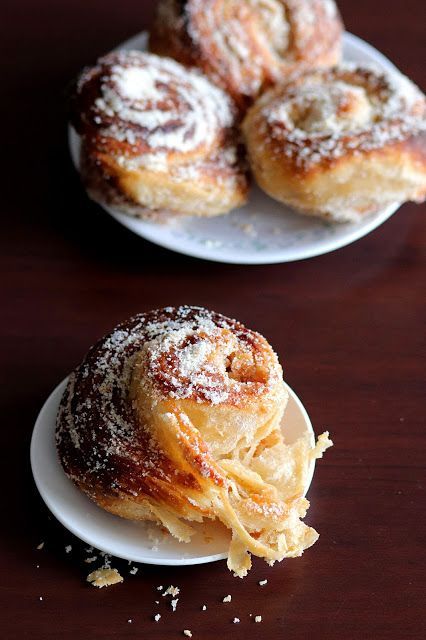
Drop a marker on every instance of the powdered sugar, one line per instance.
(196, 361)
(136, 82)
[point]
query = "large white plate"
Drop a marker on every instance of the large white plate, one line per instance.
(124, 538)
(264, 231)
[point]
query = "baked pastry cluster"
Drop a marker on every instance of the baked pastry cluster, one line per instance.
(157, 140)
(163, 137)
(175, 417)
(339, 143)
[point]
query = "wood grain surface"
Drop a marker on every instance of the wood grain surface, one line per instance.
(348, 327)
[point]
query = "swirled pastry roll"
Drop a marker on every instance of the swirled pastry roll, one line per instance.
(176, 417)
(158, 140)
(340, 143)
(245, 45)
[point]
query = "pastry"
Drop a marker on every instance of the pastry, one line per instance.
(175, 417)
(340, 143)
(157, 140)
(245, 45)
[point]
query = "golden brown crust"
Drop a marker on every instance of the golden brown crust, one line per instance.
(246, 46)
(157, 138)
(339, 143)
(175, 417)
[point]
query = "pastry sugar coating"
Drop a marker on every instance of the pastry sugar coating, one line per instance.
(246, 45)
(157, 140)
(175, 417)
(340, 143)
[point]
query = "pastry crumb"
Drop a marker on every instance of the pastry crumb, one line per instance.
(258, 618)
(91, 559)
(171, 591)
(323, 443)
(107, 559)
(187, 632)
(68, 548)
(104, 577)
(41, 598)
(134, 570)
(227, 598)
(160, 588)
(174, 603)
(262, 582)
(130, 621)
(157, 617)
(203, 608)
(40, 546)
(236, 620)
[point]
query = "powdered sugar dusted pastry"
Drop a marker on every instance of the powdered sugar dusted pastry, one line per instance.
(158, 139)
(175, 417)
(340, 143)
(245, 45)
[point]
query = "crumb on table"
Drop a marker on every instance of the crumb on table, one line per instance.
(104, 577)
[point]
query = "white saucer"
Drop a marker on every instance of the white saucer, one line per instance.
(264, 231)
(119, 537)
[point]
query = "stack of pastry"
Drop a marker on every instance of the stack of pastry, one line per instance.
(176, 417)
(163, 137)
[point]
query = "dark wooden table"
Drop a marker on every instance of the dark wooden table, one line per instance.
(348, 327)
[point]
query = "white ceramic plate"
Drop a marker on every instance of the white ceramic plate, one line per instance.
(119, 537)
(264, 231)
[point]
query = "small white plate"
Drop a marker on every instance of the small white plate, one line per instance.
(124, 538)
(263, 231)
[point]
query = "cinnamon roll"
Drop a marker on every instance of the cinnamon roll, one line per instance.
(340, 143)
(245, 45)
(158, 140)
(175, 417)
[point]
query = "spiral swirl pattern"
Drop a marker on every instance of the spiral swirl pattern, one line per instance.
(324, 115)
(154, 106)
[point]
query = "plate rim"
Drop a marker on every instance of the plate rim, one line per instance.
(356, 231)
(54, 397)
